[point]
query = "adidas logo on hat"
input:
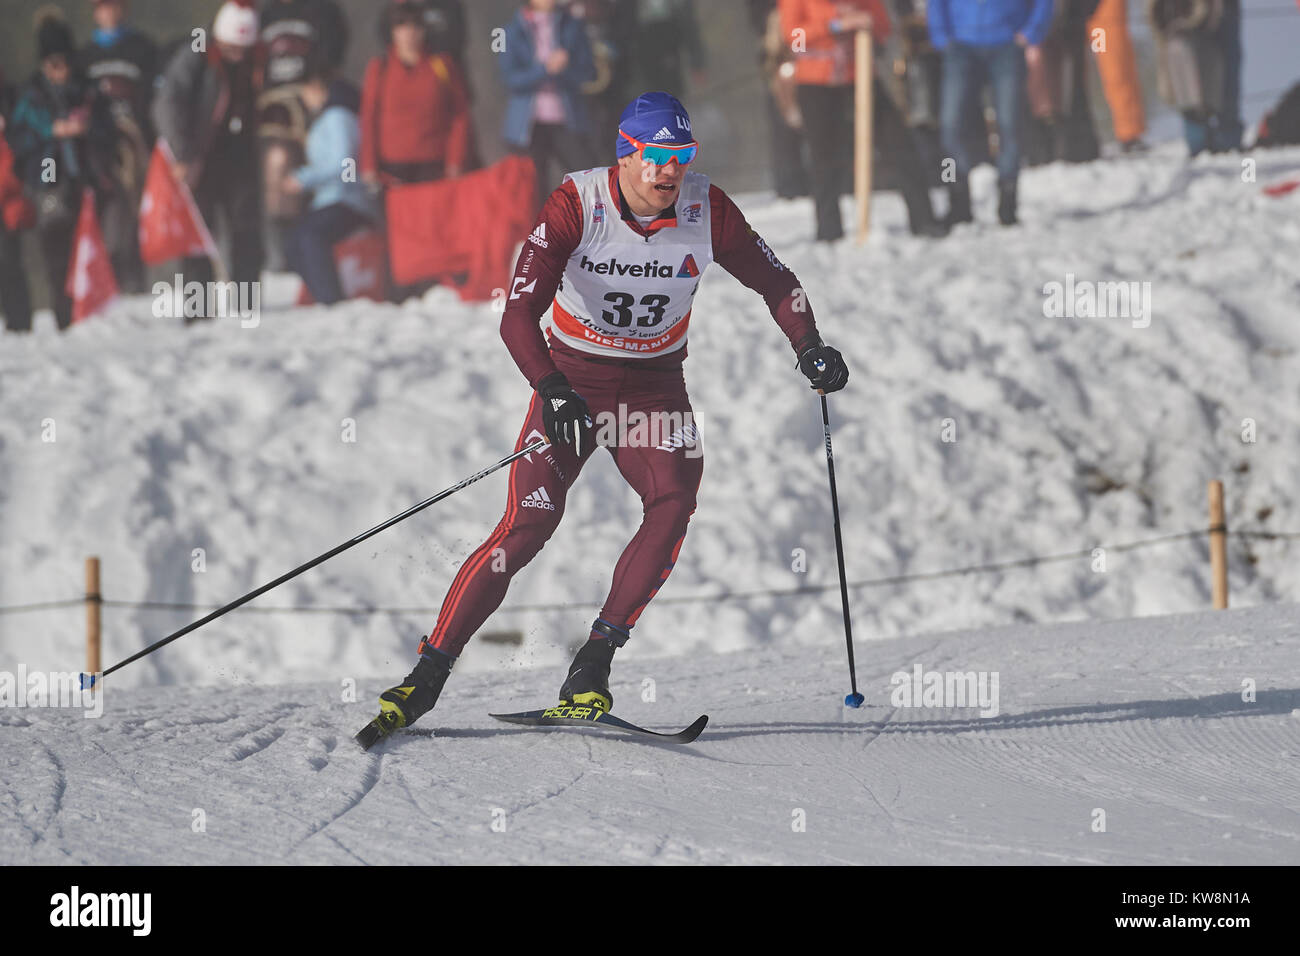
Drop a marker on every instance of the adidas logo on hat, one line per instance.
(664, 133)
(538, 499)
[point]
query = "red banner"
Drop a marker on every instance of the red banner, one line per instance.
(170, 224)
(90, 283)
(462, 232)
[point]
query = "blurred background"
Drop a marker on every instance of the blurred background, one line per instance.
(727, 107)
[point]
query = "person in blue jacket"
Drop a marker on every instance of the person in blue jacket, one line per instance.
(340, 204)
(985, 40)
(547, 58)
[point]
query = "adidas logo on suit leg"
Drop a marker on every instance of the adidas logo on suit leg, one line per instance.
(538, 499)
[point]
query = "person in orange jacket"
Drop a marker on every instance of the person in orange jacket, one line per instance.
(1117, 64)
(821, 33)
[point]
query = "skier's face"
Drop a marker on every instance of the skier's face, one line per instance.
(649, 187)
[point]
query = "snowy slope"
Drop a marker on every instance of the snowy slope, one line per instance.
(1071, 433)
(1141, 719)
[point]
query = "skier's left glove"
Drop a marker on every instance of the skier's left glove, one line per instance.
(565, 415)
(824, 367)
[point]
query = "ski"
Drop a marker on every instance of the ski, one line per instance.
(563, 716)
(384, 725)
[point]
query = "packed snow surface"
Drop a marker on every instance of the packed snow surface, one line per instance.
(1113, 742)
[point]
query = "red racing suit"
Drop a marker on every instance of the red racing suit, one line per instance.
(622, 351)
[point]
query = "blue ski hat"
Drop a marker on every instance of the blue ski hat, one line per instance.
(647, 116)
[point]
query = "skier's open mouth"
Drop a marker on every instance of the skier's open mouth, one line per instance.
(665, 187)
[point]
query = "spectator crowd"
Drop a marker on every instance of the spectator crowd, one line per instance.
(285, 159)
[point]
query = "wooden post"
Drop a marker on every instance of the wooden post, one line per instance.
(862, 131)
(93, 600)
(1218, 546)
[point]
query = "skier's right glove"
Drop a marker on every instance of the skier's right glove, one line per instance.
(565, 415)
(824, 367)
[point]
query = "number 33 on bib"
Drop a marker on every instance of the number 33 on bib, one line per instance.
(623, 292)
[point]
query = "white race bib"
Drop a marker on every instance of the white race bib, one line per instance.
(624, 294)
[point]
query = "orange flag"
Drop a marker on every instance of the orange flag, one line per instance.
(90, 283)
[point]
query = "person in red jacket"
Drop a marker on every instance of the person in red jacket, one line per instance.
(415, 120)
(615, 258)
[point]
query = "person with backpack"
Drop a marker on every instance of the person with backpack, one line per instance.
(415, 119)
(414, 112)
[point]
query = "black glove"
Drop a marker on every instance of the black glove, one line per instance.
(565, 415)
(824, 367)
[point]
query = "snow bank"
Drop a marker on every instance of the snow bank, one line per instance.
(1071, 433)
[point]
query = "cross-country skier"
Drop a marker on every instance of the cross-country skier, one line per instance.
(616, 257)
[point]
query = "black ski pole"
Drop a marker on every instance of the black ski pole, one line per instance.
(853, 699)
(88, 680)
